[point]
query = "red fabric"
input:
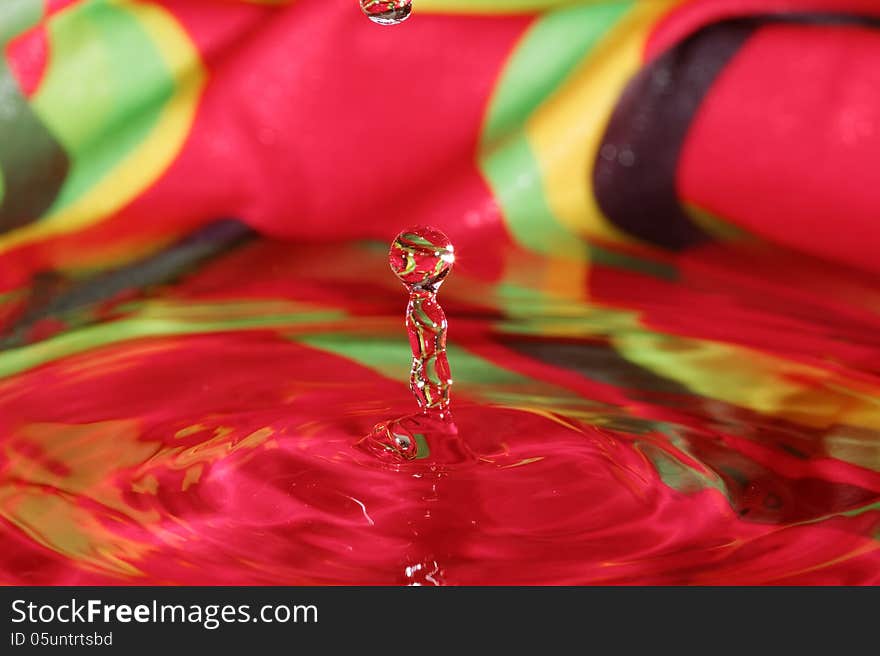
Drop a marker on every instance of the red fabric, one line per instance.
(693, 15)
(784, 145)
(362, 145)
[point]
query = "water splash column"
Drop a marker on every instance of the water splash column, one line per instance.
(421, 258)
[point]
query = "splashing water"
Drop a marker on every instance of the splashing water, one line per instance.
(386, 12)
(422, 257)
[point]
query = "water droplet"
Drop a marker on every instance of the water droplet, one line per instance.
(421, 257)
(386, 12)
(608, 152)
(626, 157)
(426, 572)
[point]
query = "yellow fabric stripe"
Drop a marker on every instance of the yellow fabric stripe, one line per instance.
(143, 166)
(566, 131)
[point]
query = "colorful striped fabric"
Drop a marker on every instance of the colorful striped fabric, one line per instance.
(129, 123)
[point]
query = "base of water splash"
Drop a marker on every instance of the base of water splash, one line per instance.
(417, 437)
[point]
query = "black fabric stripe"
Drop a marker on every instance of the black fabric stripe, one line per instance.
(819, 19)
(596, 361)
(53, 296)
(634, 175)
(32, 162)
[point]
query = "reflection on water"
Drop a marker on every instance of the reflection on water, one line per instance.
(709, 418)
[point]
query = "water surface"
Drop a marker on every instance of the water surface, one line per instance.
(709, 418)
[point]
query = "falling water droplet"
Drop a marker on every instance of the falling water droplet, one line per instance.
(386, 12)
